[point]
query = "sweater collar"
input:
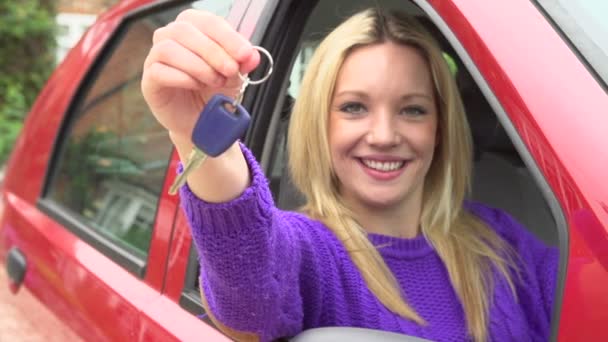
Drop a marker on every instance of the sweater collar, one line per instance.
(402, 248)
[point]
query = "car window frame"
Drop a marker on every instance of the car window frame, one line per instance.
(57, 211)
(190, 297)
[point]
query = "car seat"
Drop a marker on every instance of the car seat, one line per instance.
(500, 177)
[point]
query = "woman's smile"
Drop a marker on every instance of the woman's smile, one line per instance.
(383, 169)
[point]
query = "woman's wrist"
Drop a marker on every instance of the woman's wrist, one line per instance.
(220, 178)
(182, 144)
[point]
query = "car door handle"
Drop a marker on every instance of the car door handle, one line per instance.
(16, 265)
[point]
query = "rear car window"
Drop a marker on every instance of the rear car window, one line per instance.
(112, 155)
(111, 169)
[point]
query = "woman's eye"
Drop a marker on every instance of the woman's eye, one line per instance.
(353, 108)
(413, 111)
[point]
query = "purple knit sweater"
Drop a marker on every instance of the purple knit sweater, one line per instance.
(277, 273)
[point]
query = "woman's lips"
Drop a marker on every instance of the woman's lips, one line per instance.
(383, 170)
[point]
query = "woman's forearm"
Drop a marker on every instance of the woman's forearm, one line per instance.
(219, 179)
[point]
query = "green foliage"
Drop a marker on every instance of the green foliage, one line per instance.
(27, 46)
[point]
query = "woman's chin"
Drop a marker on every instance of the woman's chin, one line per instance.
(379, 201)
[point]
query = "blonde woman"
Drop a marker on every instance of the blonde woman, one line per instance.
(380, 147)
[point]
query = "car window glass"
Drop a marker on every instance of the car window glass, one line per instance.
(114, 155)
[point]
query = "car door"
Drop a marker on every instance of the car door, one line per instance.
(88, 210)
(86, 236)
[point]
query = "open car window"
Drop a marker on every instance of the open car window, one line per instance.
(501, 178)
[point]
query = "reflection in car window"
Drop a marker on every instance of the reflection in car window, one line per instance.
(112, 165)
(584, 22)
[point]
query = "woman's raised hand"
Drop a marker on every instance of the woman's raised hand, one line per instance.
(191, 59)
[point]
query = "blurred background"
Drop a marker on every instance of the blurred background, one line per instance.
(35, 35)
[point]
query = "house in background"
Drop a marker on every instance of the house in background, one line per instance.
(73, 18)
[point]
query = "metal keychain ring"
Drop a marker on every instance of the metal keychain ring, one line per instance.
(263, 79)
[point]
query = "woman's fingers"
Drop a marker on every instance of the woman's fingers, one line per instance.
(171, 53)
(220, 46)
(186, 35)
(199, 52)
(251, 63)
(220, 31)
(170, 77)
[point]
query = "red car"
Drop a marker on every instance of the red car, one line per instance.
(87, 226)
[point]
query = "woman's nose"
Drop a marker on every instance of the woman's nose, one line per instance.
(382, 130)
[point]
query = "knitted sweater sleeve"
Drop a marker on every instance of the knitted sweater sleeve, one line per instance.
(538, 265)
(251, 255)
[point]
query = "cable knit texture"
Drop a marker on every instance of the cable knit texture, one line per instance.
(277, 273)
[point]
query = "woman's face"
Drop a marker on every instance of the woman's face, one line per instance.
(383, 126)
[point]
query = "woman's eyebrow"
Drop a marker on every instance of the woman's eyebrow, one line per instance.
(364, 95)
(415, 95)
(356, 93)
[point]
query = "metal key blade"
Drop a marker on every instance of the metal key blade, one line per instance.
(195, 159)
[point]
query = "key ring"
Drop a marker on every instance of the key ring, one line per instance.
(263, 79)
(247, 81)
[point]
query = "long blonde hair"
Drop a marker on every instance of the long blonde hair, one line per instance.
(469, 249)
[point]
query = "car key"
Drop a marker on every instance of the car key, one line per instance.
(219, 125)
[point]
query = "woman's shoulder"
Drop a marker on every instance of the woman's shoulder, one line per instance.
(537, 265)
(504, 224)
(531, 250)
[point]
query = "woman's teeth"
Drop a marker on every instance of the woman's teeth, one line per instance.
(383, 166)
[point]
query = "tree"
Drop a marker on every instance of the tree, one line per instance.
(27, 56)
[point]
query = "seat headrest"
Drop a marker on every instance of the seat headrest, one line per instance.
(488, 133)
